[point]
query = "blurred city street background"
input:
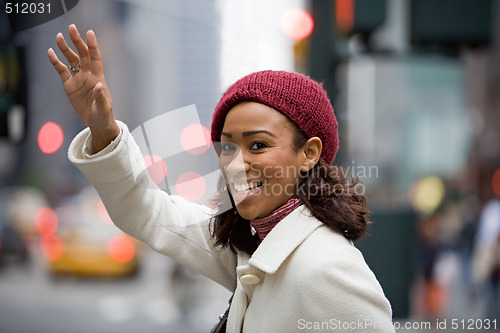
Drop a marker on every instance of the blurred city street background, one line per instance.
(415, 85)
(161, 298)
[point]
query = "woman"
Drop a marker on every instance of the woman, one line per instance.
(285, 245)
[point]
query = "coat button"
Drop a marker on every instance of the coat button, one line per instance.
(249, 279)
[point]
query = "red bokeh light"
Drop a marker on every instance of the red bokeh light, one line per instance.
(50, 138)
(156, 167)
(121, 248)
(52, 247)
(191, 186)
(46, 221)
(195, 139)
(296, 23)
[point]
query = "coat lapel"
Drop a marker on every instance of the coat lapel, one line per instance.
(285, 237)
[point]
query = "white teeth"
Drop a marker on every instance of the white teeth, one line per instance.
(242, 188)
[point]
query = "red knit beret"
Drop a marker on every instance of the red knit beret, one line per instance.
(298, 97)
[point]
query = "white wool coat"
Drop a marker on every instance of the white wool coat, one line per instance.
(303, 277)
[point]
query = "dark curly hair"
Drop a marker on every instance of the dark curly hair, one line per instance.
(325, 190)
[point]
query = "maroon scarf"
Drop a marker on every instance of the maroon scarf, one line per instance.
(264, 225)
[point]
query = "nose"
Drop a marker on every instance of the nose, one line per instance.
(238, 165)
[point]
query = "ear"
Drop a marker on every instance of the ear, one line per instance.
(311, 152)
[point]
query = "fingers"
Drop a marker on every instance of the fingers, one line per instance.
(80, 46)
(61, 68)
(89, 57)
(68, 53)
(100, 95)
(95, 54)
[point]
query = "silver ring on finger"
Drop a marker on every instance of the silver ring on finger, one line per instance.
(75, 69)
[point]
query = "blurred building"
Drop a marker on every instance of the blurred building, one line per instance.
(415, 87)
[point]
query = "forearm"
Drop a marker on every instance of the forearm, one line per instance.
(169, 224)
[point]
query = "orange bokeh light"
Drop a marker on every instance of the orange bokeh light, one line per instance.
(52, 247)
(46, 220)
(121, 248)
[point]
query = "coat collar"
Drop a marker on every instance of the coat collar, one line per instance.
(285, 237)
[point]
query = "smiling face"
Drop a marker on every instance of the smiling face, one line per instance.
(258, 160)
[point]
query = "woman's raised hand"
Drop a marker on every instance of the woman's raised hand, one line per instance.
(86, 86)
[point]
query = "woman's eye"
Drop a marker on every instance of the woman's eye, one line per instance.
(227, 148)
(258, 146)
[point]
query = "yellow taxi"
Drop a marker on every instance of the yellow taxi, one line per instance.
(79, 238)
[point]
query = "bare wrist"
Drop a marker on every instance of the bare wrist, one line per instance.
(103, 136)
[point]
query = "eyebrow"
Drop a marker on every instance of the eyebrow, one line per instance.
(249, 133)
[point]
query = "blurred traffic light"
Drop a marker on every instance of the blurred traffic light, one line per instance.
(451, 22)
(359, 16)
(13, 92)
